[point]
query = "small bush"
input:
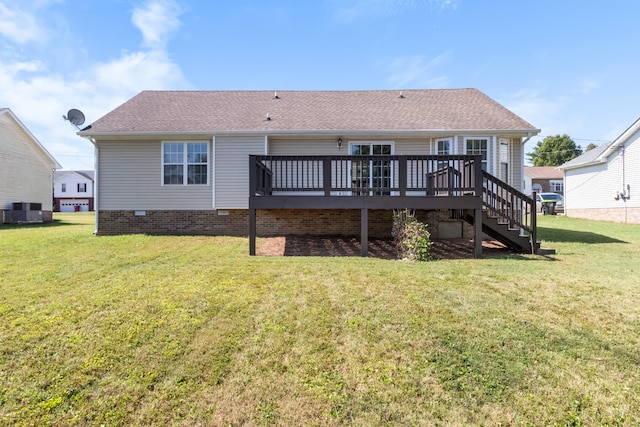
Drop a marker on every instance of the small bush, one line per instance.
(412, 238)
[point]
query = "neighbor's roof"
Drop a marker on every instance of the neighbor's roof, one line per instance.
(308, 111)
(543, 172)
(89, 174)
(586, 158)
(601, 153)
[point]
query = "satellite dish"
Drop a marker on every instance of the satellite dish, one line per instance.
(76, 117)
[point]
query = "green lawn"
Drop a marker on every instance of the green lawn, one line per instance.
(141, 330)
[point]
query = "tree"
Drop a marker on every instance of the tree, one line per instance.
(554, 151)
(591, 146)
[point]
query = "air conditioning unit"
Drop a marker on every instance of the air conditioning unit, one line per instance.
(26, 212)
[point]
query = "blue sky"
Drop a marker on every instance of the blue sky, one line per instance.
(565, 66)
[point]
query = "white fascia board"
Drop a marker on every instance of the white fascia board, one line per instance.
(314, 132)
(620, 141)
(582, 165)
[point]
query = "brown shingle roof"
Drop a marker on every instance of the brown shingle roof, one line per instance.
(543, 172)
(218, 111)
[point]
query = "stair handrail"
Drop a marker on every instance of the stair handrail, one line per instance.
(509, 204)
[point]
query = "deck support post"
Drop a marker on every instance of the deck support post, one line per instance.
(252, 231)
(477, 233)
(364, 232)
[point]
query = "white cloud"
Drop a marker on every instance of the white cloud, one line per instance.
(19, 26)
(40, 96)
(157, 20)
(553, 115)
(418, 71)
(135, 71)
(587, 85)
(350, 10)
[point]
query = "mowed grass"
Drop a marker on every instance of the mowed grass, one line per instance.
(187, 330)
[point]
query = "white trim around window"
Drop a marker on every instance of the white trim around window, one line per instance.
(480, 145)
(185, 163)
(444, 146)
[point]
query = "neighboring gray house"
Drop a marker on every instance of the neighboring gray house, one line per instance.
(543, 179)
(300, 162)
(603, 183)
(26, 173)
(73, 191)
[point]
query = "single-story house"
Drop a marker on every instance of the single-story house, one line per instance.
(26, 173)
(264, 163)
(543, 179)
(73, 191)
(600, 183)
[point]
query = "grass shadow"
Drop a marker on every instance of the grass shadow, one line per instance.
(573, 236)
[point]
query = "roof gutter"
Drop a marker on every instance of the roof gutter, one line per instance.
(308, 132)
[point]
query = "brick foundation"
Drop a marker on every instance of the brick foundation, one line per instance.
(278, 222)
(623, 215)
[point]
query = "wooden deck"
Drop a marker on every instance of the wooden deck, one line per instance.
(454, 182)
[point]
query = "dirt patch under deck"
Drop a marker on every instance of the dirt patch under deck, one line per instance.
(307, 245)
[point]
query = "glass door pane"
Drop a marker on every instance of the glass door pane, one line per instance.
(371, 176)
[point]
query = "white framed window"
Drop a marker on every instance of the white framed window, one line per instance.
(82, 187)
(63, 187)
(556, 185)
(185, 163)
(478, 147)
(443, 146)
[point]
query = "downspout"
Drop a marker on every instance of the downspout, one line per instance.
(213, 157)
(624, 187)
(529, 136)
(96, 158)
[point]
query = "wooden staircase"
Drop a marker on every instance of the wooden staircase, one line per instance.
(508, 215)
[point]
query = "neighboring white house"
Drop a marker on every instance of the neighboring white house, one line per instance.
(73, 191)
(26, 173)
(543, 179)
(604, 183)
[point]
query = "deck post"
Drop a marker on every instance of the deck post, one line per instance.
(253, 177)
(252, 230)
(364, 232)
(402, 175)
(326, 175)
(477, 233)
(534, 223)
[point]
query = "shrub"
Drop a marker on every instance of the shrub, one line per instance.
(412, 238)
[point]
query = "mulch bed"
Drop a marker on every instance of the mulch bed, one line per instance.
(331, 246)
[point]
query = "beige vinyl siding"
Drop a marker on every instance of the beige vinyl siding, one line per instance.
(307, 147)
(412, 146)
(232, 170)
(320, 147)
(26, 173)
(130, 178)
(515, 163)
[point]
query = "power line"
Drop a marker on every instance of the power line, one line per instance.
(593, 140)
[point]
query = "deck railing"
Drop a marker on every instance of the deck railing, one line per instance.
(508, 204)
(398, 181)
(376, 175)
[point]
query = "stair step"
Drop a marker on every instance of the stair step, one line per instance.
(545, 251)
